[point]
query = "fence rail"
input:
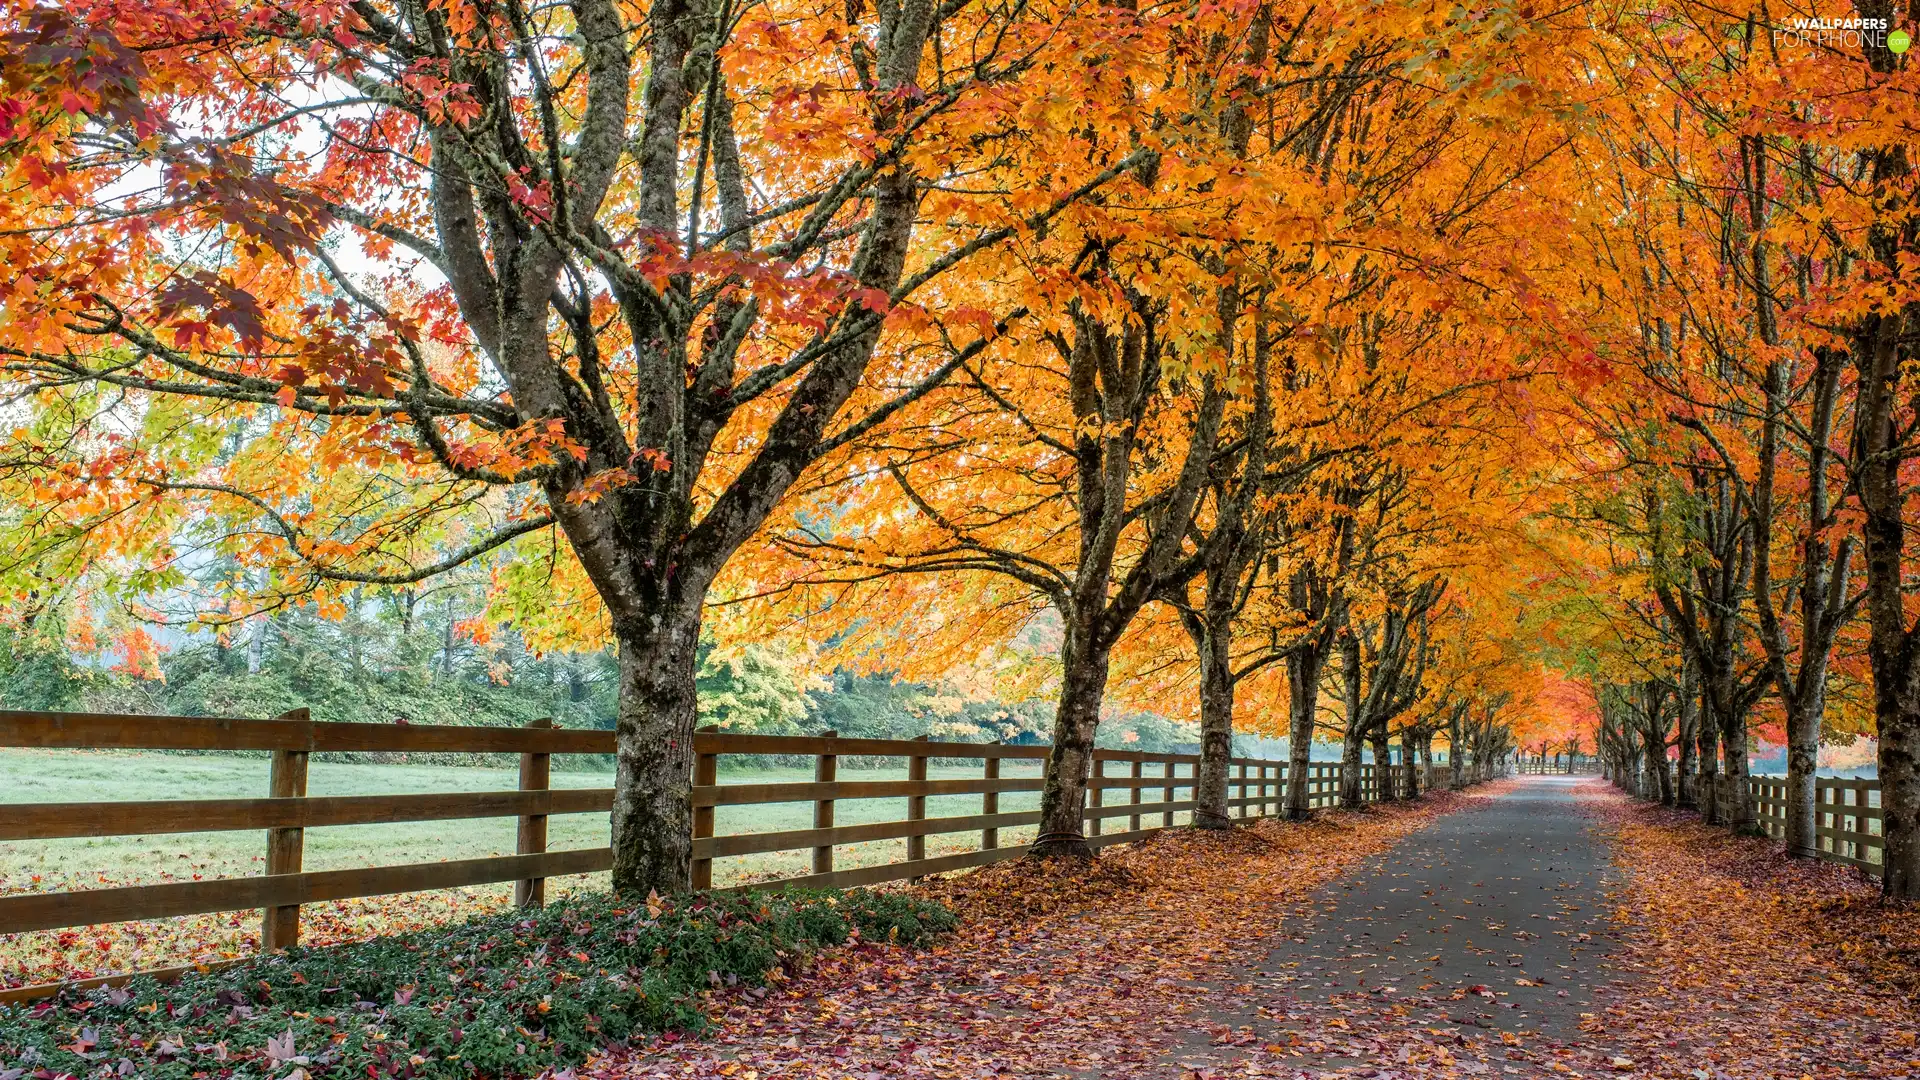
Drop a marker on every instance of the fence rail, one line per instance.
(1561, 764)
(1122, 781)
(1846, 817)
(1846, 821)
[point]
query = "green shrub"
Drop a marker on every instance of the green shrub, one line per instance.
(498, 996)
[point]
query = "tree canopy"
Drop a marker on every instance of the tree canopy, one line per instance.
(1522, 379)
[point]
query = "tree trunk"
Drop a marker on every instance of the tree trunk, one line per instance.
(1456, 767)
(1216, 731)
(658, 708)
(257, 643)
(1409, 764)
(1352, 793)
(1063, 802)
(1898, 715)
(1890, 642)
(1736, 792)
(1822, 589)
(1709, 743)
(446, 642)
(1803, 765)
(1689, 709)
(1384, 781)
(1303, 701)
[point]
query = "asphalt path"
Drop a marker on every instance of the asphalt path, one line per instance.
(1485, 932)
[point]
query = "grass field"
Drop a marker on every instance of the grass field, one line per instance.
(29, 776)
(32, 776)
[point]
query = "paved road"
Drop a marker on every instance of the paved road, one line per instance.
(1489, 921)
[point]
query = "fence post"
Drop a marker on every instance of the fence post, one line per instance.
(1860, 826)
(1139, 771)
(1822, 798)
(1266, 790)
(706, 773)
(990, 804)
(1875, 798)
(536, 774)
(280, 926)
(1169, 769)
(1855, 827)
(826, 769)
(917, 804)
(1096, 795)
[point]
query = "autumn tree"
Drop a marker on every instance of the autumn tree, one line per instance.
(1383, 660)
(1885, 434)
(1113, 429)
(369, 291)
(1739, 257)
(1121, 446)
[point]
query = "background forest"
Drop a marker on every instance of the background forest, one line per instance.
(410, 658)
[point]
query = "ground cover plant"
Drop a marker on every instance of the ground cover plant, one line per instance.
(507, 994)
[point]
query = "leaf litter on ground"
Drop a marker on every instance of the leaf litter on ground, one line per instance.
(1734, 962)
(1743, 962)
(1063, 969)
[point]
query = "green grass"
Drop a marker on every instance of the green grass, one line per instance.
(34, 776)
(31, 776)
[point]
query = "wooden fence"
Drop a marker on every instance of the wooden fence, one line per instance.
(1117, 810)
(1562, 766)
(1846, 817)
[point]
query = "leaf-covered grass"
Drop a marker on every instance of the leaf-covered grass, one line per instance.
(35, 776)
(500, 995)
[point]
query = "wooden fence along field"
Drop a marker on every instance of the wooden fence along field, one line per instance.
(1116, 796)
